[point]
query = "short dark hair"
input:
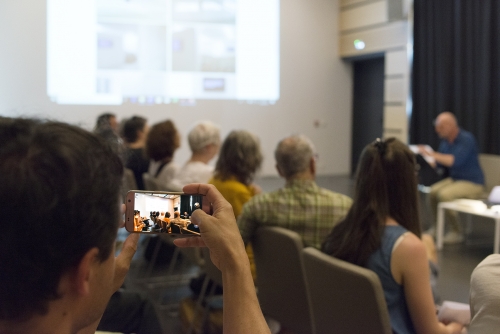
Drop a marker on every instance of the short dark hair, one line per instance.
(102, 122)
(239, 157)
(131, 126)
(162, 141)
(59, 195)
(386, 186)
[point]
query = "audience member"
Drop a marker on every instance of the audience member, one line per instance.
(106, 121)
(106, 127)
(458, 153)
(70, 173)
(301, 205)
(239, 159)
(178, 220)
(134, 132)
(204, 142)
(382, 232)
(485, 296)
(161, 143)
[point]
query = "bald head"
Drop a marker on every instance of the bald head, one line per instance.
(294, 156)
(446, 126)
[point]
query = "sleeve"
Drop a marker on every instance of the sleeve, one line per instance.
(247, 222)
(464, 151)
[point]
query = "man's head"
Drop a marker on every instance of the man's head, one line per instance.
(295, 157)
(446, 126)
(59, 189)
(134, 129)
(204, 138)
(106, 121)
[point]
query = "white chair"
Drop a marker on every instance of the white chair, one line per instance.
(281, 283)
(345, 298)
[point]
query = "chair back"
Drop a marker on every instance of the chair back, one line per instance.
(345, 298)
(281, 283)
(128, 182)
(490, 164)
(175, 228)
(150, 183)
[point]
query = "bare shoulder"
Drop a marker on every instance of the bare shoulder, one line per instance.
(410, 247)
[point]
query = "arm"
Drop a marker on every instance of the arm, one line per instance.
(219, 232)
(414, 276)
(446, 160)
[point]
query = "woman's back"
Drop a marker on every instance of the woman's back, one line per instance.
(380, 263)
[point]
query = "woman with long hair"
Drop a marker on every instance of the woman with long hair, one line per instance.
(382, 232)
(239, 159)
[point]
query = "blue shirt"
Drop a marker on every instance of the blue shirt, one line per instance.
(466, 163)
(380, 263)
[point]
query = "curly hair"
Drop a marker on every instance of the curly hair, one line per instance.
(240, 156)
(162, 141)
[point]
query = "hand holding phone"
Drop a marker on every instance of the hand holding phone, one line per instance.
(160, 212)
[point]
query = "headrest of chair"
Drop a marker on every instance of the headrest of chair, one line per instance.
(494, 196)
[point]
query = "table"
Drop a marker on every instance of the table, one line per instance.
(456, 206)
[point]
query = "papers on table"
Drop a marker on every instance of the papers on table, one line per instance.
(415, 149)
(453, 311)
(472, 204)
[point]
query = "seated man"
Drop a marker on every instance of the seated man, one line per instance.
(459, 153)
(178, 220)
(485, 296)
(301, 205)
(60, 280)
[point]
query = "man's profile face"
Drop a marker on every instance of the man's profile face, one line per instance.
(100, 289)
(443, 128)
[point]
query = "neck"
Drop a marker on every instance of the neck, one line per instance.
(453, 135)
(306, 175)
(137, 144)
(201, 157)
(54, 322)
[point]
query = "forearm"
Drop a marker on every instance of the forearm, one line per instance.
(446, 160)
(242, 313)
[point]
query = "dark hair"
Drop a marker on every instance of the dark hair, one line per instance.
(386, 186)
(130, 128)
(167, 214)
(102, 122)
(239, 157)
(162, 141)
(66, 182)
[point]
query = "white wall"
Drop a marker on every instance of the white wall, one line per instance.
(316, 86)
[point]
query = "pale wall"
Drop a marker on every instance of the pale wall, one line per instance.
(316, 86)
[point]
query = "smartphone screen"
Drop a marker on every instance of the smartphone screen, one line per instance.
(162, 212)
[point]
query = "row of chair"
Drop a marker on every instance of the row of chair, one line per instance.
(308, 291)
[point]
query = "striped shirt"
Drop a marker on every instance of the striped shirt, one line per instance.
(300, 206)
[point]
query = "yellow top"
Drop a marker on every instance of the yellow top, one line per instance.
(235, 192)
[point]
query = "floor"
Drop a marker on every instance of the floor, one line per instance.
(167, 286)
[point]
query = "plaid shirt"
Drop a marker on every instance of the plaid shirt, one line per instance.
(300, 206)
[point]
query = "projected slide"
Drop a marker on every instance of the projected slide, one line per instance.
(162, 51)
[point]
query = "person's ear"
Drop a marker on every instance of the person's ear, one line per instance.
(84, 270)
(312, 166)
(279, 171)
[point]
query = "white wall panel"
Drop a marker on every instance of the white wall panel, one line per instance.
(395, 90)
(396, 123)
(380, 39)
(396, 62)
(364, 15)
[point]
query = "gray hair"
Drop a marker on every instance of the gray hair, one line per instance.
(203, 134)
(293, 154)
(240, 157)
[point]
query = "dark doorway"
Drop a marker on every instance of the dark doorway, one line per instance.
(368, 105)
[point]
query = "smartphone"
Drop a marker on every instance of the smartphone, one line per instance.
(162, 212)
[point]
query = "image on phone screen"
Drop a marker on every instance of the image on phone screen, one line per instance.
(168, 213)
